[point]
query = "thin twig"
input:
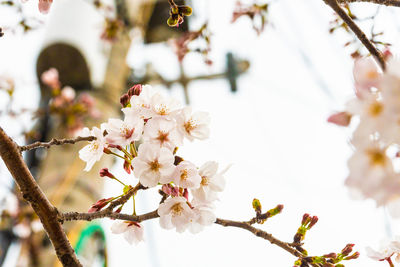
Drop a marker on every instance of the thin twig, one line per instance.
(357, 31)
(56, 142)
(260, 233)
(378, 2)
(31, 192)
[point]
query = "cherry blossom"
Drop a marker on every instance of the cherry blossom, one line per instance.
(387, 249)
(132, 231)
(162, 132)
(211, 182)
(204, 216)
(193, 125)
(366, 74)
(175, 212)
(152, 164)
(141, 103)
(124, 132)
(186, 175)
(163, 106)
(94, 150)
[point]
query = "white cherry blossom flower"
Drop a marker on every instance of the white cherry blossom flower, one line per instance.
(204, 217)
(124, 132)
(186, 175)
(162, 132)
(152, 164)
(175, 212)
(387, 249)
(132, 231)
(94, 150)
(163, 106)
(211, 182)
(193, 125)
(141, 103)
(366, 74)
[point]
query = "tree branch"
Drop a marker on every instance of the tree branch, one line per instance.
(378, 2)
(71, 216)
(31, 192)
(357, 31)
(56, 142)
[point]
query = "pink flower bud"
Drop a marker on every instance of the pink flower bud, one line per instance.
(44, 6)
(340, 118)
(105, 173)
(99, 205)
(305, 219)
(135, 90)
(50, 78)
(68, 93)
(314, 220)
(347, 249)
(354, 256)
(124, 100)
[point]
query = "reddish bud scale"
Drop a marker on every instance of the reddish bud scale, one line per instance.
(186, 194)
(331, 255)
(178, 160)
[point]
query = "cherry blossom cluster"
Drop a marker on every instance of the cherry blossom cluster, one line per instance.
(373, 166)
(147, 140)
(70, 108)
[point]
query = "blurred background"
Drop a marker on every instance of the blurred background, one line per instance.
(268, 94)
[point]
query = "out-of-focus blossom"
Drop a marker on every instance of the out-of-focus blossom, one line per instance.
(132, 231)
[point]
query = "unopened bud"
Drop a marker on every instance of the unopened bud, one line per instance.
(135, 90)
(99, 205)
(185, 10)
(257, 205)
(347, 249)
(305, 219)
(354, 256)
(314, 220)
(106, 151)
(340, 118)
(105, 173)
(124, 100)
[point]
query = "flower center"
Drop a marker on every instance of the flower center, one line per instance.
(126, 132)
(162, 137)
(154, 166)
(376, 157)
(184, 174)
(375, 109)
(176, 209)
(162, 109)
(94, 146)
(189, 125)
(204, 181)
(372, 74)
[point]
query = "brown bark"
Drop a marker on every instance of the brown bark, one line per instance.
(378, 2)
(31, 192)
